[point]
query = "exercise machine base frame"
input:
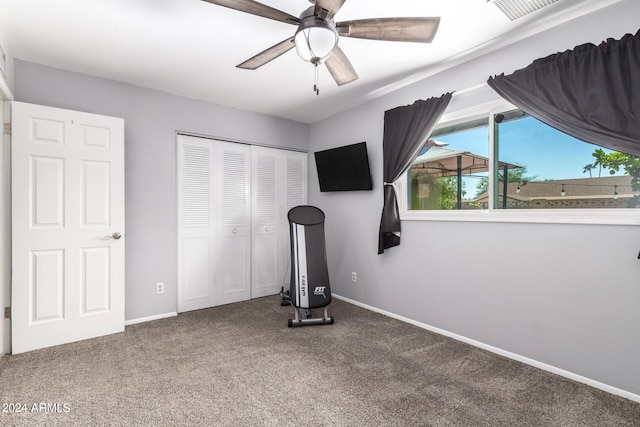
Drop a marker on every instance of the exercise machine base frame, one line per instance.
(302, 319)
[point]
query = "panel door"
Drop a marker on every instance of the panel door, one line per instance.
(233, 233)
(233, 184)
(68, 226)
(214, 236)
(197, 224)
(278, 184)
(295, 195)
(267, 256)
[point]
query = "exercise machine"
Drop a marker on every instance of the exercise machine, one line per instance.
(309, 288)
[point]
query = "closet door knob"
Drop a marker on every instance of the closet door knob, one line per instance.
(235, 231)
(267, 229)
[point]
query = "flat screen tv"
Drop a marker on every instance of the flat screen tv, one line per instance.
(344, 168)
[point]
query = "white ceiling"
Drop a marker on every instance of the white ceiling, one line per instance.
(190, 47)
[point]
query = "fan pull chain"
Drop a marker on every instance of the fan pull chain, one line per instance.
(316, 89)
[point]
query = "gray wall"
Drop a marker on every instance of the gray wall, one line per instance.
(564, 295)
(151, 121)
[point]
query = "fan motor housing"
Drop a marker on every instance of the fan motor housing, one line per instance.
(309, 22)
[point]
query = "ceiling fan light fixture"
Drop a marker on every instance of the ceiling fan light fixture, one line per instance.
(315, 39)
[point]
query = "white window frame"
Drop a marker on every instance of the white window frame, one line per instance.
(549, 216)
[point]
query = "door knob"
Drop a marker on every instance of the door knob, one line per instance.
(114, 236)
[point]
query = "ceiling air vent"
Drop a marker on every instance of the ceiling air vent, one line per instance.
(515, 9)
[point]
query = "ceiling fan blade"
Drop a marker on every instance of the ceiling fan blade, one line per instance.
(340, 68)
(328, 8)
(420, 30)
(259, 9)
(268, 55)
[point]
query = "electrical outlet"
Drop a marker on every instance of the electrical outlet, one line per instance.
(159, 288)
(354, 276)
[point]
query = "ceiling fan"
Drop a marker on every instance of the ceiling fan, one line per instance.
(316, 39)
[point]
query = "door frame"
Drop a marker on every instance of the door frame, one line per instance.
(5, 219)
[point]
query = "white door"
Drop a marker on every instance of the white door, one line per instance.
(278, 184)
(233, 233)
(295, 195)
(68, 226)
(196, 224)
(266, 252)
(214, 232)
(233, 184)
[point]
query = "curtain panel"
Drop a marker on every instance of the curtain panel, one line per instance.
(406, 129)
(591, 92)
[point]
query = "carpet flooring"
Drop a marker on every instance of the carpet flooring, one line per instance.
(239, 365)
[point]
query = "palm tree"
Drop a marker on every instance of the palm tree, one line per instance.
(601, 158)
(589, 168)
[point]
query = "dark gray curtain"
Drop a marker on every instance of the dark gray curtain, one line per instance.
(591, 92)
(406, 129)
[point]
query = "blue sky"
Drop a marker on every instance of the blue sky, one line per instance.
(546, 152)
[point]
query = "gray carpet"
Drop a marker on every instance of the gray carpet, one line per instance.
(240, 365)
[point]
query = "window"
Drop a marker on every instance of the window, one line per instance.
(451, 167)
(504, 160)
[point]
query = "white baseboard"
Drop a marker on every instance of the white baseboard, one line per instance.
(575, 377)
(150, 318)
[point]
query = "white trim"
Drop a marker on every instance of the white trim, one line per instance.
(5, 92)
(514, 356)
(5, 224)
(538, 216)
(550, 216)
(239, 141)
(150, 318)
(485, 109)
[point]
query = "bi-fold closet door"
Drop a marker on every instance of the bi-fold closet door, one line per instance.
(233, 234)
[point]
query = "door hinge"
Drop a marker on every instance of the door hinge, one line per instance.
(7, 129)
(7, 312)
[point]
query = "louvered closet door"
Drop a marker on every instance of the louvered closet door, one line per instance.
(196, 225)
(234, 222)
(295, 166)
(214, 238)
(233, 233)
(267, 260)
(278, 184)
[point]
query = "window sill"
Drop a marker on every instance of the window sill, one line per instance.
(555, 216)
